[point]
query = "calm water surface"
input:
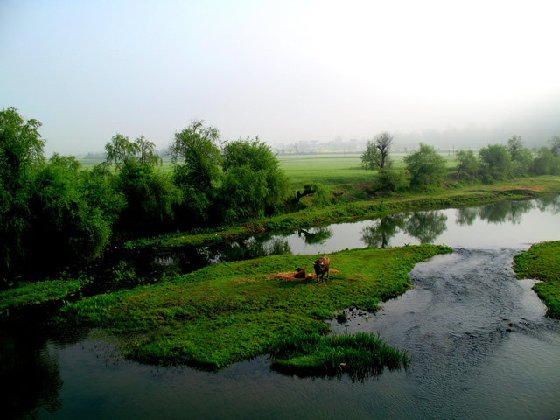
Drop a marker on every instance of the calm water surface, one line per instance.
(480, 343)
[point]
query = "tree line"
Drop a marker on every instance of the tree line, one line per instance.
(426, 169)
(54, 214)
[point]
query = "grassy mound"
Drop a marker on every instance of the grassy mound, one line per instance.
(542, 261)
(359, 355)
(234, 311)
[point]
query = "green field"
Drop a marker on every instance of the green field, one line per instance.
(327, 168)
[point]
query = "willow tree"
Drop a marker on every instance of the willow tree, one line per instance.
(21, 152)
(197, 170)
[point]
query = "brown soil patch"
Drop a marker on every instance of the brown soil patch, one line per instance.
(291, 276)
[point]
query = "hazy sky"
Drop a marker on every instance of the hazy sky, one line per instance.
(284, 70)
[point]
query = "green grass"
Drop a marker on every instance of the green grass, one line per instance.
(542, 261)
(234, 311)
(359, 355)
(36, 294)
(335, 169)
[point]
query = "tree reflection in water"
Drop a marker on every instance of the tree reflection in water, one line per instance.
(315, 236)
(30, 375)
(549, 203)
(506, 211)
(426, 226)
(382, 230)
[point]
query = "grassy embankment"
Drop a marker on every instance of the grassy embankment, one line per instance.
(348, 210)
(542, 261)
(36, 296)
(234, 311)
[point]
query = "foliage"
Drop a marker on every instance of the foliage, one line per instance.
(521, 157)
(376, 156)
(495, 163)
(545, 163)
(146, 152)
(234, 311)
(119, 150)
(391, 180)
(359, 355)
(542, 261)
(426, 168)
(253, 184)
(197, 171)
(36, 294)
(348, 211)
(468, 166)
(150, 197)
(21, 152)
(65, 226)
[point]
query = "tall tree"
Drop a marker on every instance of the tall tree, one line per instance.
(146, 151)
(468, 166)
(495, 162)
(197, 170)
(253, 185)
(521, 157)
(426, 168)
(21, 152)
(120, 149)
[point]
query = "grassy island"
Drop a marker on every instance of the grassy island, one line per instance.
(542, 262)
(234, 311)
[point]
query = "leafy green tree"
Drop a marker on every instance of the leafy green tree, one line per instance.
(468, 166)
(545, 163)
(65, 228)
(21, 153)
(390, 180)
(120, 149)
(521, 157)
(253, 185)
(495, 163)
(146, 151)
(197, 171)
(150, 198)
(99, 190)
(376, 156)
(426, 168)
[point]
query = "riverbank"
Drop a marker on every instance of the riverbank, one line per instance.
(542, 262)
(348, 211)
(229, 312)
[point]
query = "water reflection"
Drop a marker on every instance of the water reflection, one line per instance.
(463, 227)
(378, 234)
(426, 226)
(549, 203)
(315, 235)
(30, 375)
(505, 211)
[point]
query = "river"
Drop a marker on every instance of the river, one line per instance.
(479, 341)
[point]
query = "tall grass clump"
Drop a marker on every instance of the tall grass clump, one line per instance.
(359, 355)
